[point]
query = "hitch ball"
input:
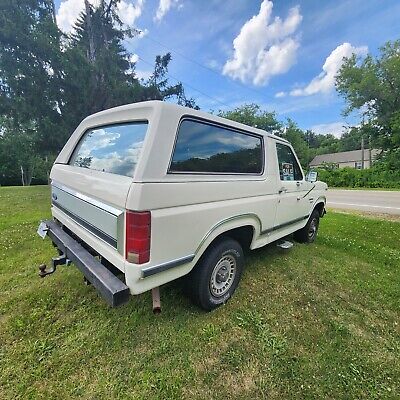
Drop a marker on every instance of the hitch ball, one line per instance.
(42, 270)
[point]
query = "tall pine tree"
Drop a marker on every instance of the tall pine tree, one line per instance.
(98, 74)
(50, 81)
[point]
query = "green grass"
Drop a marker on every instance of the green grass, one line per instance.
(321, 321)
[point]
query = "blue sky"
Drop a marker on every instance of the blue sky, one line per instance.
(282, 55)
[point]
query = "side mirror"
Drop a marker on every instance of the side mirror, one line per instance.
(312, 176)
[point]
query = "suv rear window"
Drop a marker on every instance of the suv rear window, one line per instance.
(206, 148)
(113, 148)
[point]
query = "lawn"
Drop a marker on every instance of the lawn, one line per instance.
(321, 321)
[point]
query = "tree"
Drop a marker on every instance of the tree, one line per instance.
(252, 115)
(157, 86)
(50, 81)
(297, 138)
(372, 86)
(30, 62)
(98, 73)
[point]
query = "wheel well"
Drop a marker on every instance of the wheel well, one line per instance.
(320, 208)
(243, 235)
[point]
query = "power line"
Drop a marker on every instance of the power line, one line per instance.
(188, 85)
(238, 84)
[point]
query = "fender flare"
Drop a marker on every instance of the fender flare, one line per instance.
(320, 199)
(225, 225)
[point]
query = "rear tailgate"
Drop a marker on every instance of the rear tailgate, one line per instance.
(92, 205)
(91, 181)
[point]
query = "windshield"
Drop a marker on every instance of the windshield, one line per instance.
(114, 148)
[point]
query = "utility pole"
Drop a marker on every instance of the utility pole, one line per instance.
(362, 152)
(370, 151)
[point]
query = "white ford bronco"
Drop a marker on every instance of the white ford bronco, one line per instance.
(146, 193)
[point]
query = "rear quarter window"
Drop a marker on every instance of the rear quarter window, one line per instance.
(203, 147)
(289, 168)
(113, 148)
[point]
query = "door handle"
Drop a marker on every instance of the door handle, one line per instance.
(282, 190)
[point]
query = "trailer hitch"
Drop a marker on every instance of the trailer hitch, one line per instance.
(55, 261)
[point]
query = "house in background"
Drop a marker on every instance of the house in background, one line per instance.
(359, 159)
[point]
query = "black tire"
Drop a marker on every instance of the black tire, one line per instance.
(309, 233)
(216, 276)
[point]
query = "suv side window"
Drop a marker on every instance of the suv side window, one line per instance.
(203, 147)
(289, 169)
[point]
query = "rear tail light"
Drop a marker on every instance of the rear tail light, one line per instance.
(138, 235)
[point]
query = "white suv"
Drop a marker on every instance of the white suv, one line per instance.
(153, 191)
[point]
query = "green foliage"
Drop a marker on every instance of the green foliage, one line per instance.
(297, 138)
(30, 62)
(307, 144)
(241, 161)
(49, 81)
(376, 177)
(252, 115)
(372, 86)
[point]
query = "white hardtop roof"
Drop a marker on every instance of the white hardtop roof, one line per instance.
(183, 111)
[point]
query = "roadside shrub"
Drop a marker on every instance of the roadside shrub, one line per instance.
(376, 177)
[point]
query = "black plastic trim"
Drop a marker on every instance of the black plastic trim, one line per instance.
(112, 289)
(286, 224)
(164, 267)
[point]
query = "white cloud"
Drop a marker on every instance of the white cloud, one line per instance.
(69, 11)
(280, 94)
(164, 6)
(100, 140)
(264, 47)
(128, 12)
(334, 128)
(325, 81)
(213, 64)
(140, 74)
(117, 163)
(134, 58)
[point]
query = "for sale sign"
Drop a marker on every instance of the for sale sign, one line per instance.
(288, 172)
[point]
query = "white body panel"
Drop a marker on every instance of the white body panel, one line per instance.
(188, 211)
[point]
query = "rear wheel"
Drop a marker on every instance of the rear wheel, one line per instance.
(216, 276)
(309, 233)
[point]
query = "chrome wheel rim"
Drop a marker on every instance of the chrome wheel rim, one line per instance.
(312, 230)
(223, 275)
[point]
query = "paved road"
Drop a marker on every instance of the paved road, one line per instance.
(375, 201)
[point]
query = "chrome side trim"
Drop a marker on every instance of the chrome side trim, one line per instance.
(99, 204)
(102, 220)
(229, 219)
(166, 266)
(88, 226)
(121, 233)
